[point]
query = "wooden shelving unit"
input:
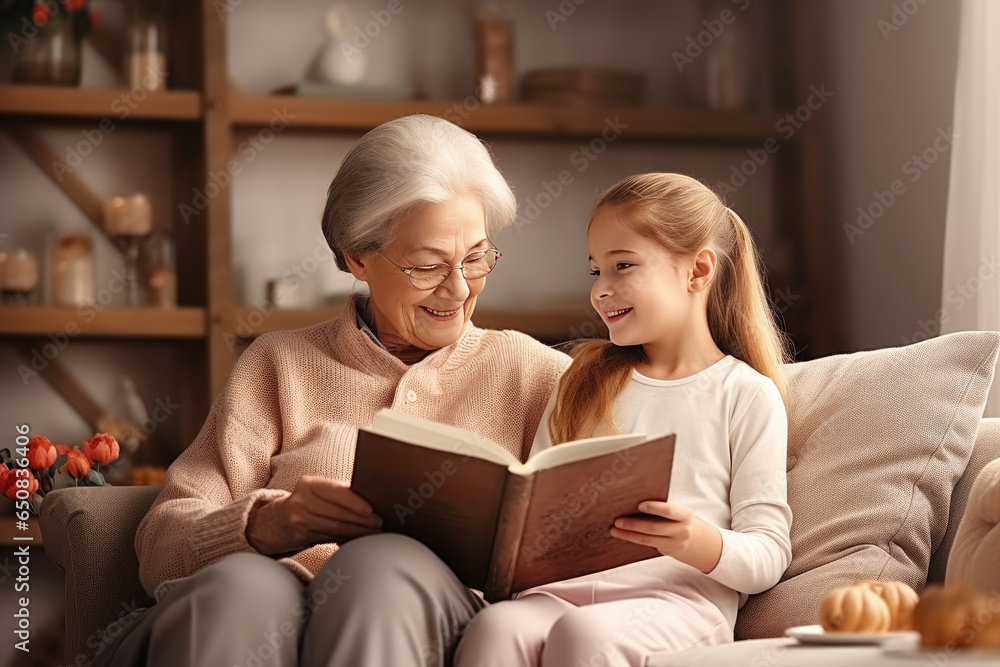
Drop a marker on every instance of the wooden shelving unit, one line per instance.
(544, 122)
(187, 322)
(112, 103)
(206, 118)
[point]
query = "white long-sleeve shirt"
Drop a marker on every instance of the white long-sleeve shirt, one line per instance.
(729, 468)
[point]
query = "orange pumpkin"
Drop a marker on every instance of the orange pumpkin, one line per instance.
(989, 636)
(854, 609)
(901, 600)
(956, 617)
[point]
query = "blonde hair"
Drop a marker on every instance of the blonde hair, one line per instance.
(683, 216)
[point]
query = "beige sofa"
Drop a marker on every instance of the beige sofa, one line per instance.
(884, 448)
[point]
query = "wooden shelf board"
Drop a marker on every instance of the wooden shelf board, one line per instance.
(546, 324)
(550, 324)
(184, 322)
(251, 322)
(111, 103)
(515, 119)
(8, 530)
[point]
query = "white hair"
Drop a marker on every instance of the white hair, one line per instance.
(398, 167)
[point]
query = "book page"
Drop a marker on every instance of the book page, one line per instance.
(578, 450)
(567, 527)
(443, 437)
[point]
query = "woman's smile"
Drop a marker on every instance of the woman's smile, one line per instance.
(441, 315)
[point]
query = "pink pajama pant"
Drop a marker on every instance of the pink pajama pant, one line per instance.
(578, 628)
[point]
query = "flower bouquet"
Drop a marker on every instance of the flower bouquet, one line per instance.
(25, 17)
(45, 460)
(45, 36)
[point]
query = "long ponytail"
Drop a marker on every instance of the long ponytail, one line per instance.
(683, 216)
(739, 314)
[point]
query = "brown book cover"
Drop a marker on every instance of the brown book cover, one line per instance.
(500, 525)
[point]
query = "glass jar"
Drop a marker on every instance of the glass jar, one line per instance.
(127, 419)
(72, 271)
(721, 69)
(51, 57)
(161, 274)
(146, 55)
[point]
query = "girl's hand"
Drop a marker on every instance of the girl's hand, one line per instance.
(318, 510)
(673, 530)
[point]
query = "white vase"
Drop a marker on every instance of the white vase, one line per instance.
(339, 60)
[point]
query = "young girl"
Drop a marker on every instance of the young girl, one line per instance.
(694, 350)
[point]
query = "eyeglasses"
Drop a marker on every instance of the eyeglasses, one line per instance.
(430, 276)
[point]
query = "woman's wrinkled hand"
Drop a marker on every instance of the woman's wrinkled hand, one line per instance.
(317, 510)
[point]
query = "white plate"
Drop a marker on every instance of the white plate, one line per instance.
(814, 634)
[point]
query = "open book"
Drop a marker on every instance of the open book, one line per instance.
(500, 525)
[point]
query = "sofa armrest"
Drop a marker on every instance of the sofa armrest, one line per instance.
(89, 533)
(986, 449)
(976, 551)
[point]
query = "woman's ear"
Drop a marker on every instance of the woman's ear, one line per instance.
(703, 271)
(357, 266)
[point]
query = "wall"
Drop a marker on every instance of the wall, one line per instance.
(894, 91)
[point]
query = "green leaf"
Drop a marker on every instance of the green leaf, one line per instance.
(60, 462)
(93, 478)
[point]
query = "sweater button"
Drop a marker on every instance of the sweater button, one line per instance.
(411, 396)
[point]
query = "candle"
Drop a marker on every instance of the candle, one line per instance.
(148, 70)
(20, 271)
(72, 271)
(131, 215)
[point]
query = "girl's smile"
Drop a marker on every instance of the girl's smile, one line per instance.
(615, 315)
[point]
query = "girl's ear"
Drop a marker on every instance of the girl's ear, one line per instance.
(357, 267)
(703, 271)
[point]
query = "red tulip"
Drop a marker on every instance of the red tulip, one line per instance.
(102, 448)
(78, 464)
(9, 487)
(62, 449)
(41, 453)
(40, 15)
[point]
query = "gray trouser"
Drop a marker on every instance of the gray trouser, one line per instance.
(381, 601)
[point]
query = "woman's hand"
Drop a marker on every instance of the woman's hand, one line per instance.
(318, 510)
(673, 530)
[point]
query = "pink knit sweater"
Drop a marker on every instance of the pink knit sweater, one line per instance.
(293, 406)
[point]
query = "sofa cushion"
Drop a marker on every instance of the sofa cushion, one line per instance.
(876, 442)
(975, 557)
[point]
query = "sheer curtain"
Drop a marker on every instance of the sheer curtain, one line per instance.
(971, 287)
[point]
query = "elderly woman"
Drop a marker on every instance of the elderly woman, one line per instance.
(256, 550)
